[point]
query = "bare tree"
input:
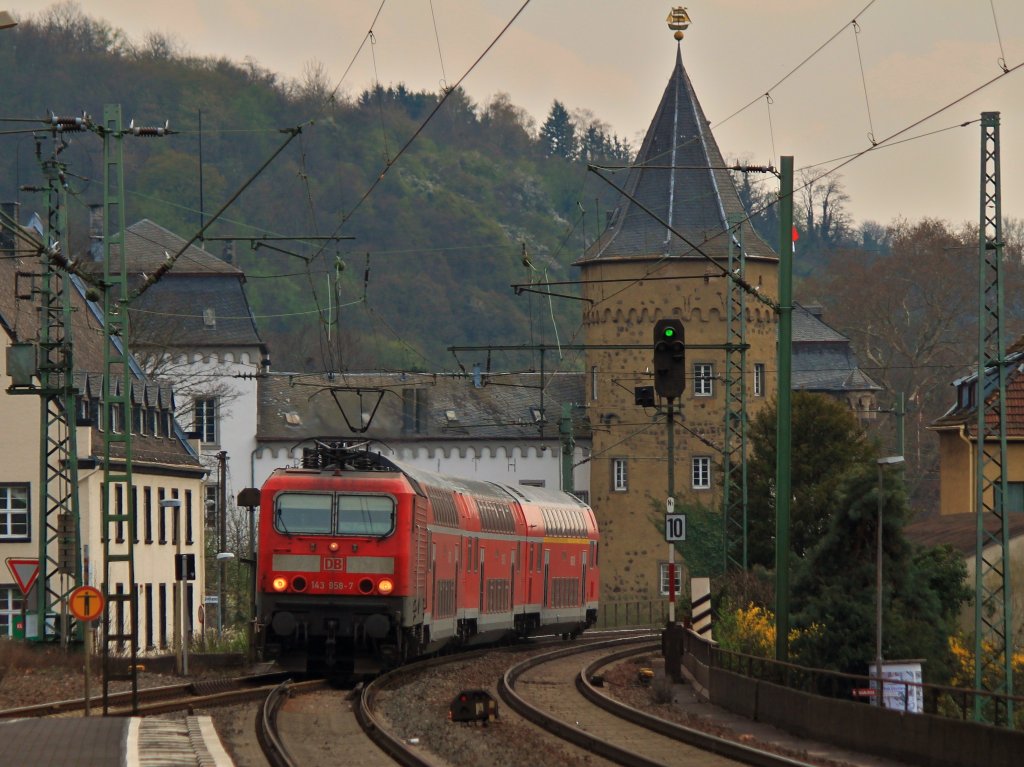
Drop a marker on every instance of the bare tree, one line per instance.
(822, 201)
(315, 87)
(911, 315)
(156, 346)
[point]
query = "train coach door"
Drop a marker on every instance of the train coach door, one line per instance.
(547, 572)
(420, 536)
(512, 579)
(432, 551)
(583, 581)
(480, 562)
(455, 583)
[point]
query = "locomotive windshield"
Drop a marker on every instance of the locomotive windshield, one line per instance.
(328, 514)
(302, 513)
(365, 514)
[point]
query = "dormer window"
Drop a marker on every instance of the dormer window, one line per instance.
(209, 318)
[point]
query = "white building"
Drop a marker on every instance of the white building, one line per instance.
(164, 466)
(194, 329)
(506, 428)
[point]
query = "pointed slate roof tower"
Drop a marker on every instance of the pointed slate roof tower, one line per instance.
(678, 175)
(645, 268)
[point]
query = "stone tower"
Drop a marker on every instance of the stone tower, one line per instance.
(643, 269)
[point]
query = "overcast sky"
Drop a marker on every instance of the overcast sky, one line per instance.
(614, 57)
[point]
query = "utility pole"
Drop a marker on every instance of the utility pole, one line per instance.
(59, 526)
(222, 461)
(993, 624)
(116, 412)
(784, 424)
(118, 564)
(568, 447)
(734, 449)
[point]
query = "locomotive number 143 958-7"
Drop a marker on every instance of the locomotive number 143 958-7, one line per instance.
(332, 585)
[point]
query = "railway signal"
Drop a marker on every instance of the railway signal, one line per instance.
(669, 358)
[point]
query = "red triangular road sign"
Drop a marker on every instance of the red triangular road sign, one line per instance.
(24, 571)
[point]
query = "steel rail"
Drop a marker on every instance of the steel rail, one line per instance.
(706, 742)
(266, 727)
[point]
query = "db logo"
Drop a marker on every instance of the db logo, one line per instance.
(334, 564)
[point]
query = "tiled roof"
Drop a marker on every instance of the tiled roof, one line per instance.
(829, 368)
(195, 311)
(147, 246)
(967, 415)
(958, 530)
(21, 321)
(200, 302)
(679, 175)
(808, 326)
(417, 406)
(823, 359)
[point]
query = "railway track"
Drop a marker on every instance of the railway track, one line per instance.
(186, 696)
(628, 736)
(355, 718)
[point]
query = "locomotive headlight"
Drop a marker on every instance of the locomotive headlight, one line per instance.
(279, 583)
(333, 546)
(386, 586)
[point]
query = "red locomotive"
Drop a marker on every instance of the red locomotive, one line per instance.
(364, 562)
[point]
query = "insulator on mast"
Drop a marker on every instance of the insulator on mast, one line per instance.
(66, 124)
(158, 130)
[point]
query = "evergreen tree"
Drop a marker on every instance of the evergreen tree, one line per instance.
(558, 133)
(827, 442)
(835, 586)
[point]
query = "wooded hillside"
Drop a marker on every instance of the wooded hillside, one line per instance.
(481, 199)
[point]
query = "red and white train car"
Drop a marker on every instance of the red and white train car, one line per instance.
(363, 562)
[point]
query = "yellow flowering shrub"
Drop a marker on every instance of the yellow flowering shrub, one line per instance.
(962, 650)
(751, 630)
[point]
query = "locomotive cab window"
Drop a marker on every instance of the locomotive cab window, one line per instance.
(365, 515)
(302, 513)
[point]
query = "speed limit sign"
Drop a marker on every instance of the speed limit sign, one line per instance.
(675, 527)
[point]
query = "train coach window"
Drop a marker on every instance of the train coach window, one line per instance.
(302, 513)
(365, 514)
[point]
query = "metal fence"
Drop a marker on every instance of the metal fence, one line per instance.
(642, 613)
(952, 702)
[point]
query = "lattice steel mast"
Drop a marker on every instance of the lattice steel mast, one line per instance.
(119, 562)
(60, 553)
(993, 627)
(734, 451)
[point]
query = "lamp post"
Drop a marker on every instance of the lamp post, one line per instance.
(890, 460)
(223, 557)
(211, 513)
(181, 656)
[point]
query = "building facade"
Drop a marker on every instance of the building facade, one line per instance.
(666, 254)
(514, 429)
(164, 467)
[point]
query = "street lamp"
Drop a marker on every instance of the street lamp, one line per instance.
(890, 460)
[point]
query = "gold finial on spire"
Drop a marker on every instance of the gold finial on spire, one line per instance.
(678, 20)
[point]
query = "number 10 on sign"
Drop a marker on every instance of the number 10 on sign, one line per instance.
(675, 527)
